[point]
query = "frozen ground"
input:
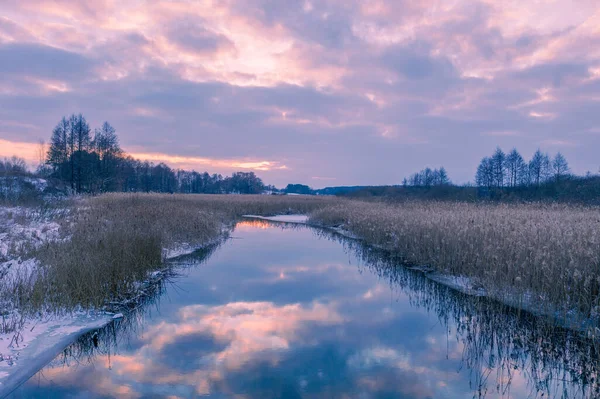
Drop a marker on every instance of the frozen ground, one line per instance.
(34, 340)
(301, 219)
(24, 228)
(39, 341)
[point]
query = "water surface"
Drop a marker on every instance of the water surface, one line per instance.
(291, 312)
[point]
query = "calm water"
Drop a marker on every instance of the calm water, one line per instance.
(293, 313)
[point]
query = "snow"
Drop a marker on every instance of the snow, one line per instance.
(38, 183)
(185, 248)
(22, 226)
(38, 343)
(300, 219)
(179, 250)
(38, 340)
(460, 283)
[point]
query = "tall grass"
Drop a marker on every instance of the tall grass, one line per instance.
(540, 254)
(114, 241)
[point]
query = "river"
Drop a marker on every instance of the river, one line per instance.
(283, 311)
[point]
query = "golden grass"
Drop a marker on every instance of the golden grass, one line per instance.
(117, 239)
(546, 254)
(551, 253)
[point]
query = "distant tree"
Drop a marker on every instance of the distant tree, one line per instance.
(106, 142)
(498, 164)
(298, 189)
(245, 183)
(80, 144)
(13, 166)
(271, 188)
(485, 176)
(106, 145)
(560, 167)
(443, 178)
(427, 178)
(59, 152)
(72, 145)
(515, 167)
(539, 168)
(92, 164)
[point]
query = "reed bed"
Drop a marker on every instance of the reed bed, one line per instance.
(538, 255)
(114, 241)
(531, 254)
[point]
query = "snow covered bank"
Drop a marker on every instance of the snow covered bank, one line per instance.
(24, 228)
(299, 219)
(29, 341)
(186, 248)
(22, 354)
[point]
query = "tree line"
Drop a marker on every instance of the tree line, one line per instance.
(499, 177)
(511, 171)
(13, 166)
(93, 162)
(427, 178)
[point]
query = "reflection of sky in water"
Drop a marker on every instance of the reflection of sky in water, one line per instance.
(280, 313)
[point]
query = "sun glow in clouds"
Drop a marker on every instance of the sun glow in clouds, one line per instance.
(200, 162)
(29, 152)
(347, 75)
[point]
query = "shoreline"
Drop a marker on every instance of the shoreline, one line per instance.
(55, 334)
(58, 332)
(575, 322)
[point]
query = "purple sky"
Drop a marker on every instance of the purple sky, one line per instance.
(329, 92)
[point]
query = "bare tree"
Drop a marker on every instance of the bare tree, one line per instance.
(514, 168)
(427, 178)
(106, 145)
(560, 167)
(539, 168)
(443, 178)
(59, 152)
(485, 173)
(80, 143)
(40, 152)
(499, 166)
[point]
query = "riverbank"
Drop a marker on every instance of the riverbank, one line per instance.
(66, 272)
(103, 251)
(514, 297)
(305, 299)
(541, 258)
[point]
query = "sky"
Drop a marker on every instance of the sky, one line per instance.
(324, 93)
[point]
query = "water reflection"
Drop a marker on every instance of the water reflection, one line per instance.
(286, 311)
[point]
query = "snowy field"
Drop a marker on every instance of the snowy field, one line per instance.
(26, 343)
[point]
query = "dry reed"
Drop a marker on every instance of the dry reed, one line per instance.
(116, 240)
(533, 254)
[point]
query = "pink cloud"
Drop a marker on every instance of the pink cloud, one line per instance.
(396, 72)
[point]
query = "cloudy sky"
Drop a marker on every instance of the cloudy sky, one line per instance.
(328, 92)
